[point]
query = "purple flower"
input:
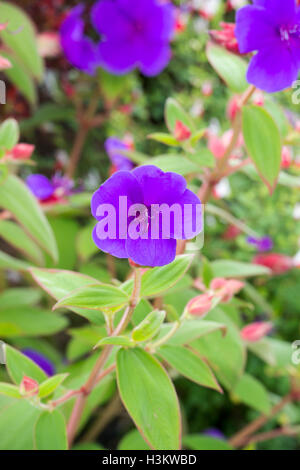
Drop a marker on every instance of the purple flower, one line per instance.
(261, 244)
(271, 27)
(114, 148)
(79, 49)
(134, 34)
(40, 186)
(43, 362)
(139, 230)
(215, 433)
(45, 189)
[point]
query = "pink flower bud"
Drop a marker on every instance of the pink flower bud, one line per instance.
(226, 37)
(233, 107)
(207, 89)
(200, 305)
(226, 288)
(48, 44)
(277, 262)
(256, 331)
(181, 132)
(21, 152)
(286, 157)
(4, 63)
(29, 387)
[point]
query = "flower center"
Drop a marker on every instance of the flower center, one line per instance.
(289, 32)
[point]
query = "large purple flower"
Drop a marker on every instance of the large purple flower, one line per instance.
(271, 27)
(158, 210)
(114, 148)
(134, 33)
(79, 49)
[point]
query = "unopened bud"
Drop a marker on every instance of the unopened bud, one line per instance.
(29, 387)
(200, 305)
(181, 132)
(256, 331)
(22, 151)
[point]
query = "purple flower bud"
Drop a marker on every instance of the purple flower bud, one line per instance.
(43, 362)
(261, 244)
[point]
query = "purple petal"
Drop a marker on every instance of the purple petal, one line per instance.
(159, 187)
(253, 29)
(109, 20)
(43, 362)
(79, 50)
(281, 11)
(191, 223)
(115, 247)
(119, 58)
(156, 57)
(151, 252)
(114, 148)
(273, 69)
(40, 186)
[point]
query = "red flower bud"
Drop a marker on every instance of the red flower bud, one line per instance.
(226, 37)
(4, 63)
(29, 387)
(21, 151)
(226, 289)
(277, 262)
(255, 331)
(200, 305)
(286, 157)
(181, 132)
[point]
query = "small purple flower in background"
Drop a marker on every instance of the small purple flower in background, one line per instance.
(215, 433)
(40, 186)
(271, 27)
(114, 148)
(79, 49)
(134, 34)
(147, 186)
(42, 361)
(261, 244)
(46, 190)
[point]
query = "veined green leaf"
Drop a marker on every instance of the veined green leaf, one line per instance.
(9, 390)
(19, 365)
(50, 431)
(149, 397)
(149, 326)
(50, 385)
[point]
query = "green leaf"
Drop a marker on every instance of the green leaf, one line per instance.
(231, 68)
(17, 421)
(50, 431)
(59, 283)
(9, 134)
(228, 268)
(21, 78)
(200, 442)
(17, 237)
(190, 365)
(174, 112)
(115, 340)
(50, 385)
(160, 279)
(251, 392)
(95, 297)
(163, 138)
(20, 36)
(9, 390)
(30, 321)
(9, 262)
(133, 441)
(263, 143)
(203, 158)
(191, 330)
(225, 355)
(176, 163)
(149, 398)
(19, 365)
(19, 297)
(27, 211)
(149, 326)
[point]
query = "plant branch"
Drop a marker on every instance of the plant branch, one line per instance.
(242, 437)
(97, 369)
